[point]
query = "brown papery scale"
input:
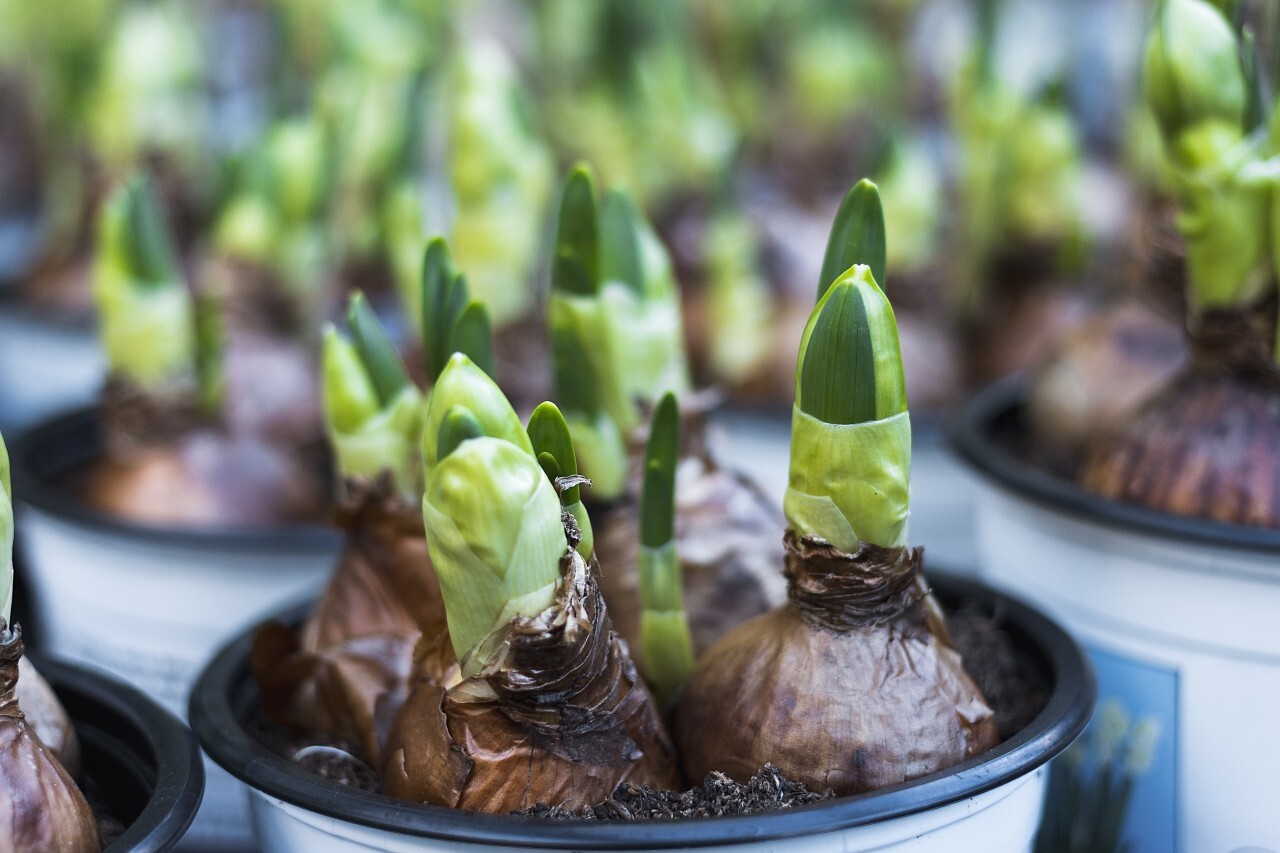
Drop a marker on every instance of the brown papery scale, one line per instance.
(1208, 444)
(559, 714)
(1099, 375)
(728, 537)
(343, 677)
(40, 806)
(167, 463)
(850, 686)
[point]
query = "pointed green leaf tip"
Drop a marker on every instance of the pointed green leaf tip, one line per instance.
(1191, 68)
(857, 236)
(473, 336)
(575, 268)
(657, 514)
(620, 242)
(553, 447)
(464, 384)
(444, 297)
(148, 245)
(376, 350)
(459, 425)
(850, 365)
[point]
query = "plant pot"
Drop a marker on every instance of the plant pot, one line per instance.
(1178, 615)
(45, 366)
(149, 604)
(990, 803)
(144, 761)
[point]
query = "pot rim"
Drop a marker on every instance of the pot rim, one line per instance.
(971, 439)
(217, 722)
(69, 441)
(179, 778)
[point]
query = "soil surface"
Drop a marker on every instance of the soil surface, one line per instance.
(766, 791)
(1015, 683)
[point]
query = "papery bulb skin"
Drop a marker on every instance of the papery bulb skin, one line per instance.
(1206, 444)
(559, 715)
(41, 809)
(850, 686)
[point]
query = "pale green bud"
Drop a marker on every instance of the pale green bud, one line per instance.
(496, 540)
(1191, 70)
(462, 383)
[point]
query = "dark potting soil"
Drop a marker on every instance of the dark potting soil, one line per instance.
(767, 791)
(110, 828)
(1015, 684)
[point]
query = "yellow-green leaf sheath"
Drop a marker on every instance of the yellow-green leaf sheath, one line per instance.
(495, 537)
(850, 482)
(667, 645)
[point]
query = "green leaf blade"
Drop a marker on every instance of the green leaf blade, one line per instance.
(620, 256)
(472, 336)
(857, 236)
(376, 350)
(549, 434)
(575, 267)
(657, 507)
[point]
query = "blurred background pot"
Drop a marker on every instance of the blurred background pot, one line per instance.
(149, 604)
(46, 365)
(989, 803)
(144, 762)
(1178, 616)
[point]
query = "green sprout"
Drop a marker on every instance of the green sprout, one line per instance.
(450, 320)
(372, 410)
(500, 173)
(1199, 92)
(617, 342)
(493, 519)
(850, 431)
(148, 323)
(275, 218)
(462, 383)
(6, 537)
(740, 303)
(665, 639)
(553, 448)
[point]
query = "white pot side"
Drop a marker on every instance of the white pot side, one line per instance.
(45, 367)
(1178, 616)
(152, 612)
(988, 804)
(1002, 820)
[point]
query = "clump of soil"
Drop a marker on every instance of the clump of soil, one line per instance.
(718, 795)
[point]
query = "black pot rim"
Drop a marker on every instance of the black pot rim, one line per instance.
(70, 440)
(1064, 716)
(972, 441)
(179, 784)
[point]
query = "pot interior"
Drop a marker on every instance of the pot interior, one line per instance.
(225, 701)
(143, 763)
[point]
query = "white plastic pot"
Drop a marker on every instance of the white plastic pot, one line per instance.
(45, 367)
(1179, 616)
(989, 804)
(150, 605)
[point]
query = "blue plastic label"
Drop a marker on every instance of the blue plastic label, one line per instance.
(1116, 788)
